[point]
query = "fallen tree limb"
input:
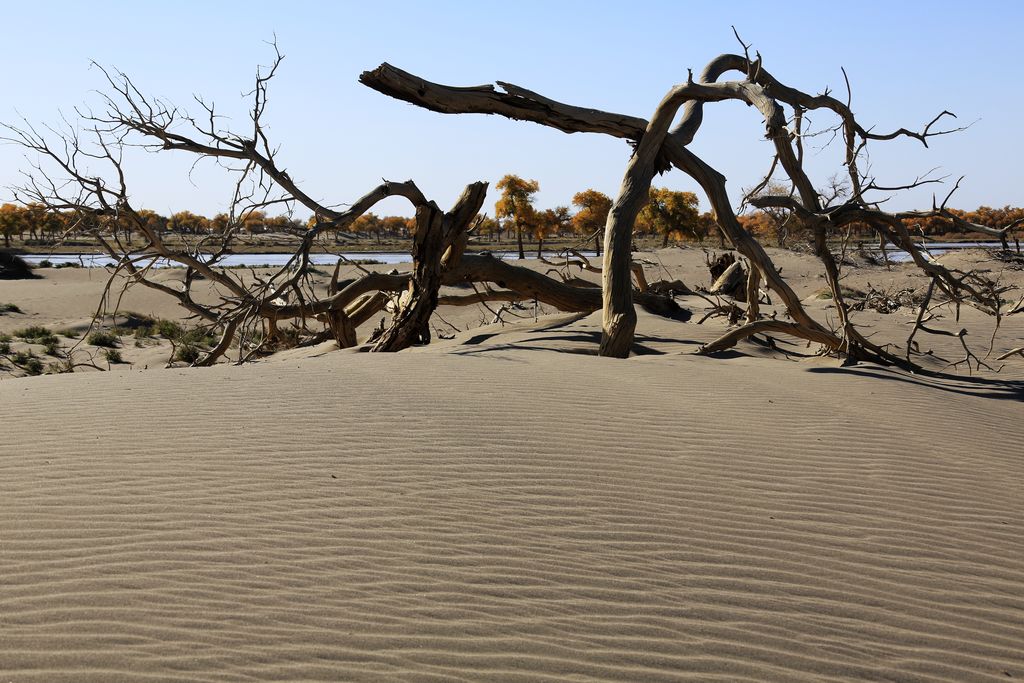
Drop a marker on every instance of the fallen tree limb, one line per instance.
(657, 150)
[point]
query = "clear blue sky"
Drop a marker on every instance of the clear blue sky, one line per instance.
(906, 61)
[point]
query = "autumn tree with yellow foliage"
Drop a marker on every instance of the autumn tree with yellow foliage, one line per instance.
(516, 203)
(592, 214)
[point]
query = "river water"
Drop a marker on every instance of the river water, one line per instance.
(277, 260)
(250, 260)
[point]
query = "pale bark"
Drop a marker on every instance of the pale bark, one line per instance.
(519, 103)
(758, 89)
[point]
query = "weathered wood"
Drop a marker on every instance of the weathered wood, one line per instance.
(480, 297)
(438, 250)
(342, 329)
(533, 285)
(432, 252)
(411, 325)
(758, 89)
(222, 346)
(732, 282)
(618, 319)
(738, 334)
(1019, 351)
(521, 104)
(753, 294)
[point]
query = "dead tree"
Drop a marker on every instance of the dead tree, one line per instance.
(437, 245)
(658, 148)
(248, 312)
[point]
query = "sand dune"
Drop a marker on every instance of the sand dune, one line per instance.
(504, 506)
(477, 512)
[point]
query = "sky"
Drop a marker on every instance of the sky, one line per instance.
(906, 62)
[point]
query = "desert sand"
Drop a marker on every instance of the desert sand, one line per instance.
(505, 506)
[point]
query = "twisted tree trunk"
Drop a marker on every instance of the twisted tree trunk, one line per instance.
(437, 246)
(411, 325)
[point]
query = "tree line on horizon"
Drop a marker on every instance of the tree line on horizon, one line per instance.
(670, 215)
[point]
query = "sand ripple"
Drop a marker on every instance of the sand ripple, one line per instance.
(492, 517)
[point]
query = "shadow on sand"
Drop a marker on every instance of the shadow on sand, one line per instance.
(981, 387)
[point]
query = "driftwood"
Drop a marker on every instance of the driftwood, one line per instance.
(658, 149)
(249, 314)
(729, 278)
(732, 282)
(267, 312)
(436, 232)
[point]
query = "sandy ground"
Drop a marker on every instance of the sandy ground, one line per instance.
(504, 506)
(65, 301)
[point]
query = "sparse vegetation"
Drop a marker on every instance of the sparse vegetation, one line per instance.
(197, 335)
(65, 187)
(847, 293)
(187, 353)
(36, 334)
(113, 356)
(61, 368)
(27, 361)
(32, 333)
(9, 308)
(103, 339)
(52, 347)
(143, 326)
(168, 329)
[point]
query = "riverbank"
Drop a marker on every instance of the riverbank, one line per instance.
(64, 301)
(278, 243)
(286, 243)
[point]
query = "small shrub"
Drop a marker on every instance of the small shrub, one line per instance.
(69, 333)
(46, 263)
(197, 336)
(9, 308)
(187, 353)
(52, 347)
(168, 329)
(133, 322)
(62, 368)
(847, 292)
(13, 267)
(68, 264)
(33, 333)
(101, 338)
(5, 347)
(113, 356)
(28, 362)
